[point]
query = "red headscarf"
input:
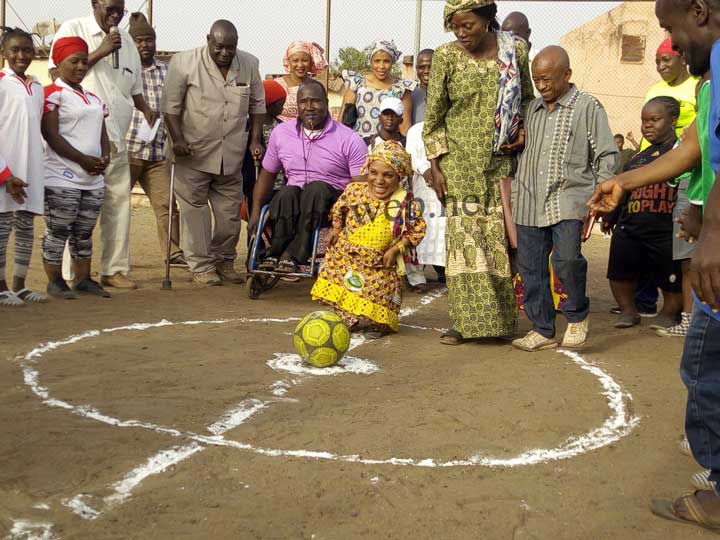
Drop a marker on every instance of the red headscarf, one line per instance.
(64, 47)
(666, 48)
(273, 91)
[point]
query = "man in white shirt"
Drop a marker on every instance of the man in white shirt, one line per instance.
(121, 89)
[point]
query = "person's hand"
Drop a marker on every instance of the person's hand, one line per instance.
(705, 268)
(110, 43)
(101, 166)
(93, 165)
(439, 185)
(607, 197)
(151, 117)
(690, 221)
(606, 226)
(333, 236)
(428, 177)
(16, 189)
(516, 146)
(182, 149)
(257, 151)
(390, 257)
(630, 137)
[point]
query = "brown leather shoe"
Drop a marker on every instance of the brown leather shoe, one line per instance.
(209, 278)
(118, 281)
(226, 271)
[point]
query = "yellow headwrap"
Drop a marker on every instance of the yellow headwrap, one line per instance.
(461, 6)
(392, 153)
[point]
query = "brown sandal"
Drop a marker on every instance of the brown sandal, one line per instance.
(452, 337)
(664, 508)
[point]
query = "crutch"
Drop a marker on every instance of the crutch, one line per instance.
(167, 282)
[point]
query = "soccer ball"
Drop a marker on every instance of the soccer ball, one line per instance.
(321, 339)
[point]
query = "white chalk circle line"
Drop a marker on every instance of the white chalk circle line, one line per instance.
(618, 425)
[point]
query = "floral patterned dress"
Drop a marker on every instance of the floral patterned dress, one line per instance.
(459, 130)
(353, 279)
(368, 100)
(290, 109)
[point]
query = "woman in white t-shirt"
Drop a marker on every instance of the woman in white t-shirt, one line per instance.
(78, 152)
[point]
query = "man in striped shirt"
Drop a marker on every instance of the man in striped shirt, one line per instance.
(569, 148)
(148, 162)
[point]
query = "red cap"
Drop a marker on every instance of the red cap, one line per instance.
(273, 91)
(64, 47)
(666, 48)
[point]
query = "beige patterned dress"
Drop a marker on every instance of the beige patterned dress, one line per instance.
(459, 130)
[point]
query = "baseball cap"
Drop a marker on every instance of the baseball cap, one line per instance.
(392, 104)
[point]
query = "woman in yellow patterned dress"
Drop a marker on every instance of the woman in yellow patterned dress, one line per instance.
(375, 228)
(473, 124)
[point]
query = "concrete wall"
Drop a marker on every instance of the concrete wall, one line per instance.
(595, 54)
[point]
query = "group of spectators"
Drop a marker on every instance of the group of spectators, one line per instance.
(489, 166)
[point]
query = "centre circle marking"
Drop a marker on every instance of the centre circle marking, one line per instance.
(618, 425)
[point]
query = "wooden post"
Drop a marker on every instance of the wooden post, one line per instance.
(150, 12)
(328, 12)
(418, 28)
(3, 22)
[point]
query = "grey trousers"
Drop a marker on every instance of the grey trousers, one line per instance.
(209, 232)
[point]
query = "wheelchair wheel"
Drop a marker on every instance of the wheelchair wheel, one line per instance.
(258, 284)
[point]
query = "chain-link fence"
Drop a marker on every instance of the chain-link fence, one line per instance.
(611, 44)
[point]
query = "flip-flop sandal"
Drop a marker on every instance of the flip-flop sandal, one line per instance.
(373, 333)
(268, 265)
(702, 481)
(684, 446)
(8, 298)
(31, 297)
(420, 289)
(287, 266)
(664, 508)
(452, 337)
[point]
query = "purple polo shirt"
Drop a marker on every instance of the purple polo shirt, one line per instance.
(334, 157)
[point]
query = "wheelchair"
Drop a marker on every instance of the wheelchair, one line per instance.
(261, 281)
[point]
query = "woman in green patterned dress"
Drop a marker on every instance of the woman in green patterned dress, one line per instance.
(479, 85)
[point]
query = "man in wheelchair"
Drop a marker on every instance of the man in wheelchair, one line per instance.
(320, 157)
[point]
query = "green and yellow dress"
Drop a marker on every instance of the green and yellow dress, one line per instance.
(459, 130)
(353, 279)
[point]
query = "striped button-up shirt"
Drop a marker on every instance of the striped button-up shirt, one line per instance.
(568, 150)
(153, 79)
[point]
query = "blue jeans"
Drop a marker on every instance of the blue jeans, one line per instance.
(534, 247)
(700, 371)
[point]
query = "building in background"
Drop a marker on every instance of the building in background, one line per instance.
(613, 58)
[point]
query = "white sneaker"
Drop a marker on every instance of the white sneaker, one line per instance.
(576, 334)
(534, 342)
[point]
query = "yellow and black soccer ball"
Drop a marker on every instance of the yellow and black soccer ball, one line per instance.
(321, 339)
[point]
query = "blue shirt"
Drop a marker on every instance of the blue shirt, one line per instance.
(714, 133)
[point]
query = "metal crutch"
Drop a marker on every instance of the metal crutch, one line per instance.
(167, 282)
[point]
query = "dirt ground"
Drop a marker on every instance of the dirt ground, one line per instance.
(427, 401)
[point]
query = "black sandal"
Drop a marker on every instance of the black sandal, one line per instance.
(268, 265)
(287, 266)
(90, 286)
(452, 337)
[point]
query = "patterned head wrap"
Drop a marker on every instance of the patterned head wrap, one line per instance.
(313, 50)
(387, 46)
(393, 154)
(461, 6)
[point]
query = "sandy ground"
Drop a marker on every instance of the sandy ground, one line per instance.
(426, 401)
